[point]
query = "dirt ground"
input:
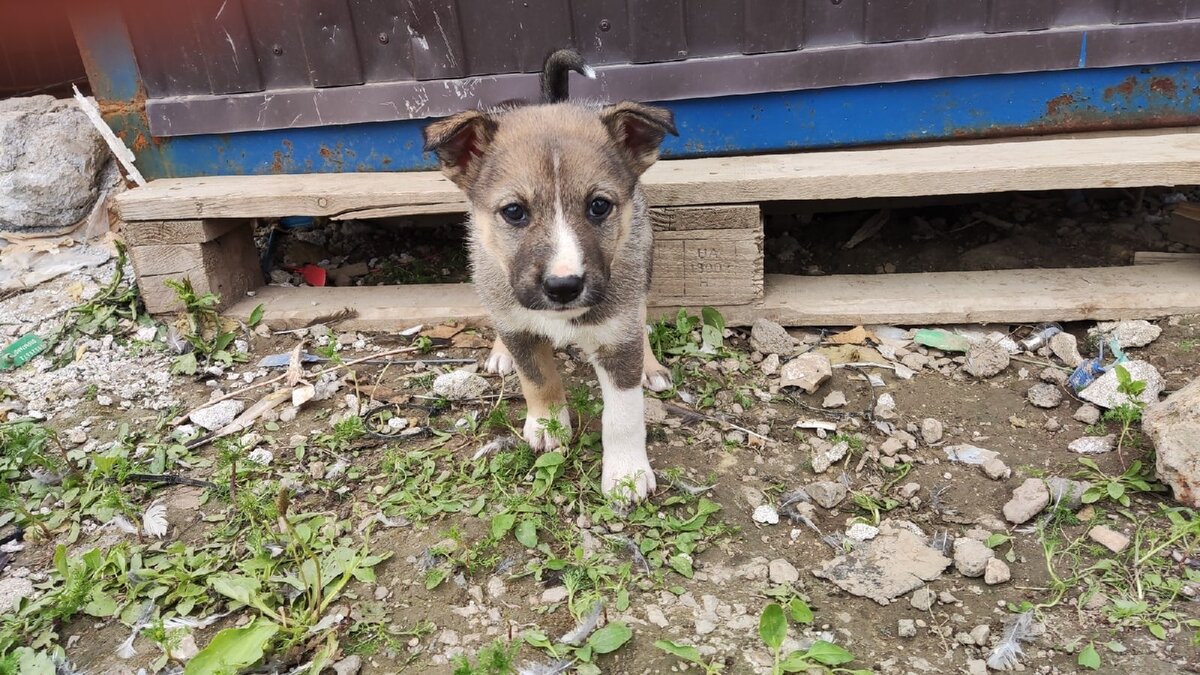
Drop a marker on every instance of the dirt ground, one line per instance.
(664, 570)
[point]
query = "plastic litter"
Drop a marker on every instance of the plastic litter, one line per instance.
(22, 351)
(1089, 370)
(1041, 337)
(940, 339)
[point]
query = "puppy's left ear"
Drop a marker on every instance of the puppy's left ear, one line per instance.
(460, 142)
(638, 130)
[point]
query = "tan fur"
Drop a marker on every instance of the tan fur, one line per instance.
(554, 162)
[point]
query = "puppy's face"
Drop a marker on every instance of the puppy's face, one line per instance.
(551, 191)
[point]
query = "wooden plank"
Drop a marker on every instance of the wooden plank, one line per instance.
(707, 267)
(227, 266)
(151, 232)
(1184, 226)
(1004, 296)
(683, 218)
(1160, 257)
(1109, 159)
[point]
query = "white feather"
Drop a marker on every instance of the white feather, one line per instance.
(154, 520)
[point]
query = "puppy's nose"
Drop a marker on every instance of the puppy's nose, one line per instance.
(562, 289)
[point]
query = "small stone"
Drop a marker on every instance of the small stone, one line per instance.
(971, 557)
(986, 359)
(1128, 333)
(348, 666)
(931, 430)
(980, 634)
(1053, 376)
(996, 469)
(1103, 392)
(1027, 501)
(1088, 414)
(827, 494)
(765, 513)
(218, 415)
(656, 411)
(77, 436)
(996, 572)
(1067, 494)
(1109, 538)
(1093, 445)
(780, 571)
(835, 399)
(947, 598)
(885, 407)
(906, 628)
(824, 459)
(704, 626)
(12, 591)
(807, 371)
(1052, 424)
(1044, 395)
(770, 364)
(496, 588)
(922, 599)
(768, 337)
(891, 446)
(1066, 347)
(910, 490)
(915, 361)
(554, 594)
(753, 496)
(977, 667)
(459, 385)
(288, 414)
(655, 616)
(861, 532)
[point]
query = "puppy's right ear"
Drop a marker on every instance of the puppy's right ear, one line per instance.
(460, 142)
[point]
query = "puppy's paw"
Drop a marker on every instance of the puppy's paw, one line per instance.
(657, 379)
(627, 477)
(543, 434)
(499, 361)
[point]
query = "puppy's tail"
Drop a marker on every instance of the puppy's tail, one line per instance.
(555, 87)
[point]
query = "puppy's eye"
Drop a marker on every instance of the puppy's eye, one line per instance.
(599, 208)
(514, 214)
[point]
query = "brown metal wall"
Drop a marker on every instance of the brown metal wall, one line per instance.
(236, 46)
(37, 50)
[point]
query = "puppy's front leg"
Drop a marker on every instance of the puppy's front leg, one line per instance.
(542, 388)
(626, 471)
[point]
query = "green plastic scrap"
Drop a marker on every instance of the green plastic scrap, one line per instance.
(940, 339)
(22, 351)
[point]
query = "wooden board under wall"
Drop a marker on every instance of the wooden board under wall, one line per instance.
(1077, 161)
(936, 298)
(227, 266)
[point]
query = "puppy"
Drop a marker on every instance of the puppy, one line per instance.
(560, 247)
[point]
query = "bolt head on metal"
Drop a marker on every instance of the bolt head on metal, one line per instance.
(605, 25)
(276, 49)
(383, 38)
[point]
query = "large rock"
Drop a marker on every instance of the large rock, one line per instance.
(1174, 427)
(1103, 392)
(890, 565)
(1128, 333)
(50, 163)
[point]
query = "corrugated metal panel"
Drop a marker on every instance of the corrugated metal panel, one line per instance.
(1007, 16)
(1085, 12)
(1146, 11)
(1193, 9)
(437, 43)
(715, 27)
(330, 47)
(657, 31)
(225, 46)
(276, 43)
(772, 26)
(896, 21)
(384, 48)
(601, 30)
(955, 17)
(828, 23)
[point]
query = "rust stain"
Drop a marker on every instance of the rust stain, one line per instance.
(135, 107)
(326, 152)
(1124, 89)
(1059, 104)
(1163, 85)
(277, 163)
(140, 143)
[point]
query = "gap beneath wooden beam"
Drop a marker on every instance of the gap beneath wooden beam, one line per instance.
(1001, 296)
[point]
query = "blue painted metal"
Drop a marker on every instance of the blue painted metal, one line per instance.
(928, 110)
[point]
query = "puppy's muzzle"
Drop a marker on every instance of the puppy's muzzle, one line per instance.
(562, 290)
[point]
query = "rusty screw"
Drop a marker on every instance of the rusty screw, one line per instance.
(277, 50)
(605, 25)
(383, 38)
